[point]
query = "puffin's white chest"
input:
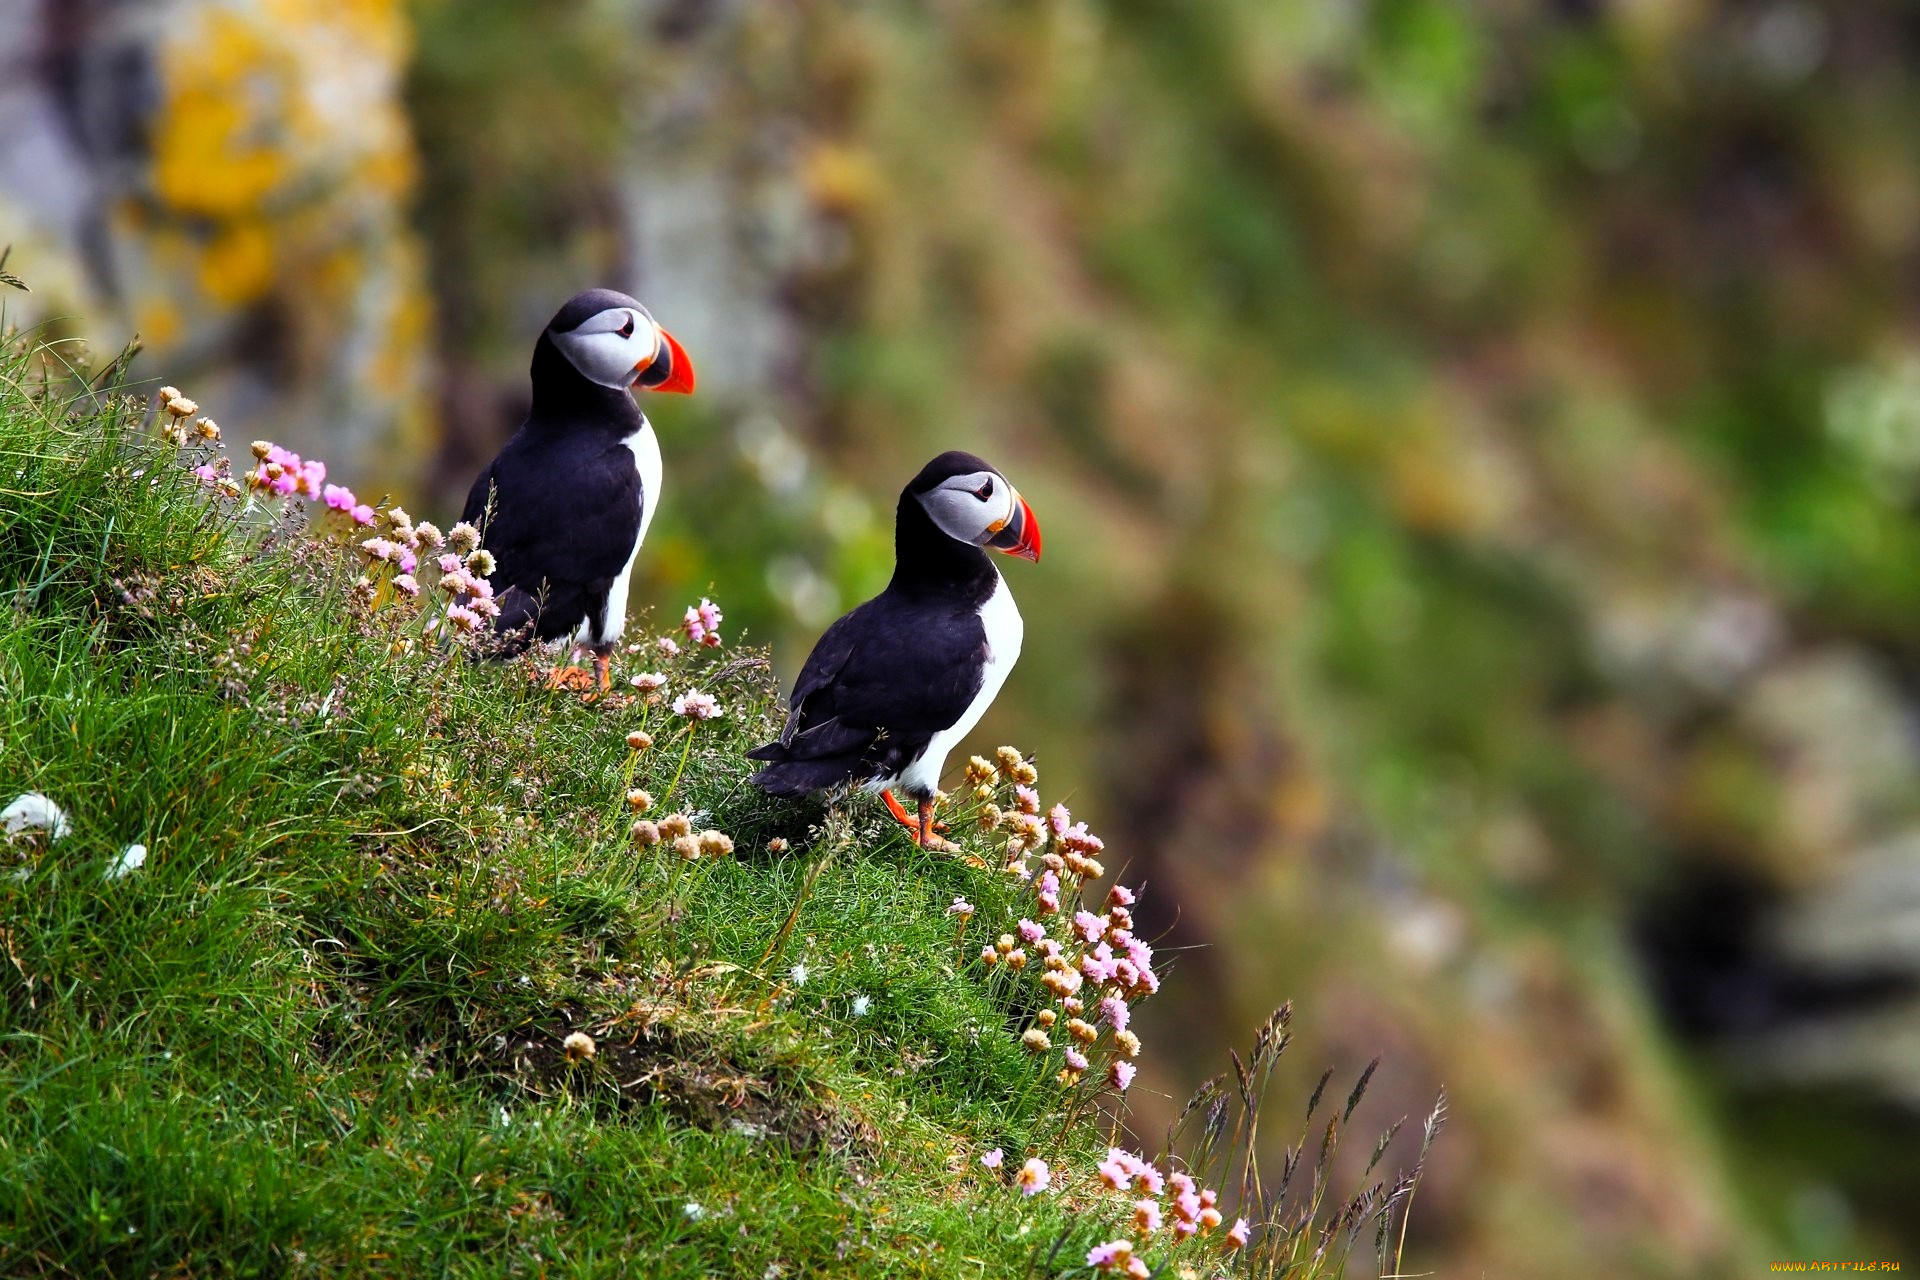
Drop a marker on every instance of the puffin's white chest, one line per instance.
(609, 627)
(1005, 631)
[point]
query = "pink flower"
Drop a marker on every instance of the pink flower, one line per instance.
(696, 705)
(962, 908)
(338, 497)
(1120, 896)
(1031, 932)
(206, 473)
(1147, 1178)
(1079, 839)
(668, 648)
(362, 514)
(1089, 926)
(1182, 1184)
(1238, 1234)
(1117, 1169)
(1057, 818)
(1026, 799)
(1120, 1072)
(993, 1158)
(702, 623)
(1111, 1256)
(1139, 952)
(1146, 1216)
(1034, 1177)
(407, 561)
(1076, 1060)
(648, 681)
(448, 564)
(463, 619)
(377, 549)
(1115, 1010)
(404, 583)
(1048, 891)
(313, 475)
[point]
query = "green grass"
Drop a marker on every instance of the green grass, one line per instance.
(320, 1032)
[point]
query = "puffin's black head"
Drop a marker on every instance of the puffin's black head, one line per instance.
(973, 503)
(612, 340)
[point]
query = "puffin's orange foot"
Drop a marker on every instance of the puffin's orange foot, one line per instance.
(905, 819)
(927, 827)
(565, 677)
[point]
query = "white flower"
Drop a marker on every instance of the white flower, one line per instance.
(34, 811)
(131, 859)
(861, 1006)
(647, 681)
(799, 975)
(696, 705)
(693, 1210)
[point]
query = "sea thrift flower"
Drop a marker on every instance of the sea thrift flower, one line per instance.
(962, 908)
(1076, 1060)
(580, 1047)
(648, 681)
(1238, 1234)
(181, 407)
(377, 549)
(207, 429)
(979, 772)
(1036, 1040)
(1120, 896)
(362, 514)
(1034, 1177)
(1031, 932)
(1026, 800)
(448, 564)
(338, 497)
(1089, 926)
(989, 957)
(462, 538)
(464, 619)
(1046, 1018)
(667, 646)
(645, 834)
(1115, 1011)
(1147, 1178)
(778, 845)
(1016, 959)
(406, 560)
(1146, 1216)
(1183, 1185)
(702, 623)
(696, 705)
(1120, 1074)
(1048, 893)
(1111, 1256)
(1127, 1043)
(799, 975)
(688, 847)
(406, 584)
(399, 519)
(716, 844)
(1210, 1220)
(1116, 1171)
(1058, 818)
(430, 536)
(993, 1158)
(1007, 760)
(482, 562)
(639, 740)
(639, 801)
(1082, 1030)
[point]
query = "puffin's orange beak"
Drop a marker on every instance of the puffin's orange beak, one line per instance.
(679, 367)
(1020, 536)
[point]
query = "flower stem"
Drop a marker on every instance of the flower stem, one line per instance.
(685, 751)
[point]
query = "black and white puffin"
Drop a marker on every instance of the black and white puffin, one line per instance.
(895, 684)
(566, 504)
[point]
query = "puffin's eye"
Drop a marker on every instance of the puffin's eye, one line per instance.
(985, 490)
(626, 330)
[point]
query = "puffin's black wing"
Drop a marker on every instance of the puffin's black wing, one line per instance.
(565, 517)
(876, 688)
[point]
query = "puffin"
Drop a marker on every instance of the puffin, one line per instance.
(891, 687)
(565, 505)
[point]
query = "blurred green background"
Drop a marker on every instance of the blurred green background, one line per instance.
(1478, 444)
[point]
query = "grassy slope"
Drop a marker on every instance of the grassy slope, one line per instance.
(320, 1030)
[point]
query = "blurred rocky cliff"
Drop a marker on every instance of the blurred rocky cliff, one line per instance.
(1478, 448)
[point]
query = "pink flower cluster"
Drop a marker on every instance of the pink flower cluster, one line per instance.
(284, 472)
(1193, 1210)
(702, 623)
(340, 498)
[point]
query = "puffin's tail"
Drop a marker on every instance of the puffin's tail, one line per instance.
(787, 776)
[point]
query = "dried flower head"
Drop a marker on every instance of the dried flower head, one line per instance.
(688, 847)
(639, 801)
(580, 1047)
(1127, 1043)
(406, 584)
(979, 772)
(430, 537)
(1046, 1018)
(1006, 759)
(206, 429)
(1036, 1040)
(778, 845)
(482, 562)
(715, 844)
(1083, 1031)
(260, 449)
(675, 825)
(168, 393)
(645, 834)
(181, 407)
(639, 740)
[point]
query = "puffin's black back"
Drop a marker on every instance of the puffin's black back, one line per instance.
(896, 670)
(566, 499)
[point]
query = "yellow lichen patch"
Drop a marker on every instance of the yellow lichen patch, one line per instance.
(237, 266)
